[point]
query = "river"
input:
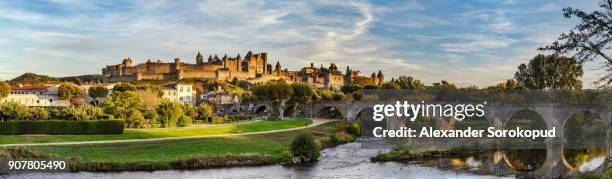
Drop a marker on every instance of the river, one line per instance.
(350, 160)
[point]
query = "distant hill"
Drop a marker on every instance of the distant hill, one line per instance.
(34, 78)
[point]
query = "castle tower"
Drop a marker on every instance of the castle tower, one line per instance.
(177, 64)
(380, 77)
(238, 63)
(199, 59)
(277, 67)
(210, 59)
(264, 57)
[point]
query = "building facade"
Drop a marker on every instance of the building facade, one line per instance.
(179, 92)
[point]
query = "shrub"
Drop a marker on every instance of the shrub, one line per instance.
(304, 148)
(135, 119)
(151, 115)
(184, 121)
(39, 114)
(217, 120)
(354, 129)
(205, 111)
(61, 127)
(169, 113)
(13, 111)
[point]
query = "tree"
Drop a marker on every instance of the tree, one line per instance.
(5, 89)
(391, 85)
(302, 93)
(407, 82)
(589, 40)
(550, 72)
(97, 93)
(121, 103)
(275, 92)
(508, 85)
(69, 91)
(150, 98)
(350, 88)
(326, 95)
(169, 113)
(445, 85)
(123, 87)
(204, 111)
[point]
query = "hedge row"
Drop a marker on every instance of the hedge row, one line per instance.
(61, 127)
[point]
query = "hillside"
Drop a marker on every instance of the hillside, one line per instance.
(34, 78)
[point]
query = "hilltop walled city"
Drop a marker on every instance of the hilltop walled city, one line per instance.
(253, 68)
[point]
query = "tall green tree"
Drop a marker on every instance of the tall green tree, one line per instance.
(120, 104)
(97, 93)
(169, 113)
(69, 91)
(5, 89)
(550, 72)
(590, 40)
(302, 93)
(277, 93)
(407, 82)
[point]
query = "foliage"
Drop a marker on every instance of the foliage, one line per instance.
(391, 85)
(151, 115)
(444, 85)
(302, 92)
(123, 87)
(370, 86)
(184, 121)
(13, 111)
(326, 95)
(5, 89)
(351, 88)
(68, 91)
(150, 98)
(408, 82)
(550, 72)
(337, 97)
(216, 120)
(97, 92)
(189, 110)
(589, 40)
(204, 111)
(77, 113)
(121, 103)
(276, 92)
(39, 114)
(169, 113)
(34, 78)
(61, 127)
(510, 84)
(155, 89)
(135, 119)
(304, 148)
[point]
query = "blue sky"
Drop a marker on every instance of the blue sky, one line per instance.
(477, 42)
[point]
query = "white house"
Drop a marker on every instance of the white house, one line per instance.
(179, 92)
(35, 95)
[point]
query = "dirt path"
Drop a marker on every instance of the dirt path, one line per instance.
(315, 122)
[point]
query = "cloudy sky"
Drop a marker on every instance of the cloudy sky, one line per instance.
(478, 42)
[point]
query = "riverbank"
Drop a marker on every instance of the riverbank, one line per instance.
(212, 129)
(214, 152)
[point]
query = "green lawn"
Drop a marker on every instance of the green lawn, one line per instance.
(271, 144)
(159, 133)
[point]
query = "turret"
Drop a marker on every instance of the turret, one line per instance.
(210, 59)
(238, 63)
(177, 64)
(333, 67)
(277, 67)
(199, 59)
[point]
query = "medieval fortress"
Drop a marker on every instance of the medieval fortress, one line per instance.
(253, 68)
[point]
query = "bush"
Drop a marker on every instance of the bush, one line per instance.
(169, 113)
(62, 127)
(13, 111)
(39, 114)
(184, 121)
(304, 148)
(135, 119)
(205, 111)
(217, 120)
(354, 129)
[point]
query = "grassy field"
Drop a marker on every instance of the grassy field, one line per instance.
(272, 146)
(213, 129)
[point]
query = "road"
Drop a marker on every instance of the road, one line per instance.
(315, 122)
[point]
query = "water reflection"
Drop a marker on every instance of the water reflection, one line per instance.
(584, 159)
